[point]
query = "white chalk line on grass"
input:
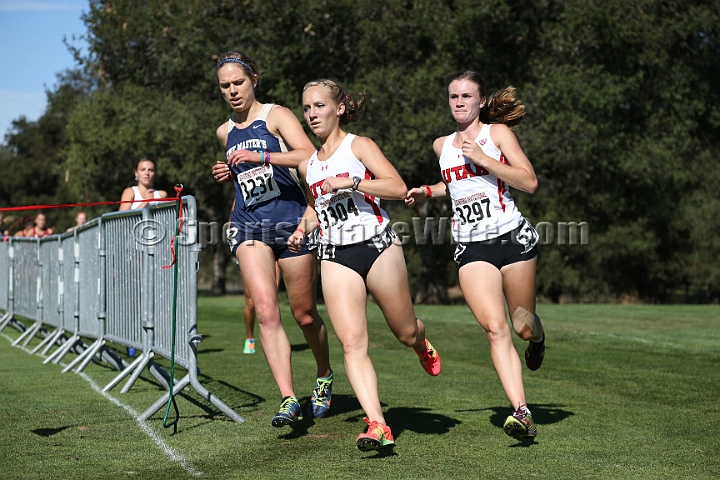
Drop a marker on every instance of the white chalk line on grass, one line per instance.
(144, 426)
(147, 429)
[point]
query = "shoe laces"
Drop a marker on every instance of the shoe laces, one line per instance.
(376, 428)
(321, 391)
(428, 355)
(287, 405)
(523, 414)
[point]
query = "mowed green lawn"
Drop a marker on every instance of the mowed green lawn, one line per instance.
(625, 392)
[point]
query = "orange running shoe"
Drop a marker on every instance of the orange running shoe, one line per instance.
(430, 359)
(376, 437)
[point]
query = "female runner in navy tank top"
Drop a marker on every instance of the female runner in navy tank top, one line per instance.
(263, 142)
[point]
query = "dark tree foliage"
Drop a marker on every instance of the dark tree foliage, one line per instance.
(621, 129)
(621, 125)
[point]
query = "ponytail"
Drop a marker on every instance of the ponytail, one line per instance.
(504, 107)
(353, 107)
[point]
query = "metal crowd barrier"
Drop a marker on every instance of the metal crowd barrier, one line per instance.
(82, 314)
(49, 265)
(104, 281)
(5, 274)
(25, 280)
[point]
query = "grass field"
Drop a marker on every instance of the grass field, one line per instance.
(625, 392)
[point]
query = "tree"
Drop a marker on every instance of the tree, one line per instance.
(622, 116)
(623, 91)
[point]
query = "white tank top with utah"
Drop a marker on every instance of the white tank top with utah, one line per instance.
(346, 217)
(482, 206)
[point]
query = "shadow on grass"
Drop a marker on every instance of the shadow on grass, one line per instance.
(542, 414)
(341, 405)
(48, 432)
(210, 350)
(418, 420)
(233, 397)
(523, 442)
(297, 429)
(382, 453)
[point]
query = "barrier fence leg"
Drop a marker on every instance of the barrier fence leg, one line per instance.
(60, 332)
(87, 355)
(146, 360)
(104, 354)
(29, 333)
(113, 383)
(135, 368)
(49, 340)
(58, 354)
(4, 320)
(37, 327)
(17, 325)
(162, 401)
(160, 375)
(108, 356)
(74, 341)
(195, 382)
(191, 378)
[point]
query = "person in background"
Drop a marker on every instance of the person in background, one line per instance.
(80, 219)
(145, 171)
(28, 230)
(4, 234)
(35, 227)
(496, 245)
(145, 176)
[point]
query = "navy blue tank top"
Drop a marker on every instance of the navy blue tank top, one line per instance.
(258, 206)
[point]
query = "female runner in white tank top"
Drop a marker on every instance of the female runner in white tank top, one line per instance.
(145, 176)
(496, 245)
(359, 252)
